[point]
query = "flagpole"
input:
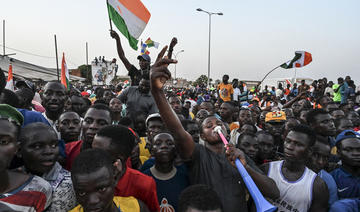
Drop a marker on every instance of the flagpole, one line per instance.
(57, 62)
(4, 38)
(107, 3)
(87, 58)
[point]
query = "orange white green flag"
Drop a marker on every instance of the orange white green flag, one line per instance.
(10, 80)
(301, 59)
(65, 78)
(130, 17)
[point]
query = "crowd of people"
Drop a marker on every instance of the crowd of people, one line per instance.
(151, 147)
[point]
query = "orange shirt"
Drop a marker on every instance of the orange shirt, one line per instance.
(225, 91)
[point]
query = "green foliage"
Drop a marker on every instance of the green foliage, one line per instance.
(85, 72)
(201, 81)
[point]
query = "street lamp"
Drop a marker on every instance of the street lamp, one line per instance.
(210, 14)
(175, 55)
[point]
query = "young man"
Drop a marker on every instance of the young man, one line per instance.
(40, 151)
(318, 162)
(300, 188)
(54, 98)
(275, 125)
(347, 177)
(116, 108)
(199, 198)
(94, 176)
(249, 144)
(225, 90)
(226, 112)
(245, 117)
(96, 117)
(18, 191)
(266, 151)
(322, 123)
(192, 128)
(119, 142)
(69, 125)
(170, 181)
(205, 162)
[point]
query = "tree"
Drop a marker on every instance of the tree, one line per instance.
(201, 81)
(86, 72)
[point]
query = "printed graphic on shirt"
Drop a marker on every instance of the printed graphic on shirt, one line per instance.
(165, 206)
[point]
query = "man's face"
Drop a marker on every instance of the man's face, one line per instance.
(296, 107)
(319, 157)
(208, 134)
(266, 146)
(54, 97)
(325, 101)
(201, 115)
(194, 131)
(354, 117)
(95, 191)
(94, 120)
(8, 144)
(175, 104)
(225, 79)
(143, 64)
(40, 151)
(154, 127)
(208, 106)
(115, 105)
(337, 114)
(245, 117)
(345, 124)
(275, 128)
(108, 95)
(144, 86)
(303, 115)
(225, 111)
(350, 152)
(78, 105)
(250, 146)
(296, 146)
(324, 125)
(69, 126)
(163, 148)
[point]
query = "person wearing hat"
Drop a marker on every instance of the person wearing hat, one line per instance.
(134, 73)
(275, 125)
(18, 191)
(347, 176)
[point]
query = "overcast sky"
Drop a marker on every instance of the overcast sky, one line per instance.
(251, 38)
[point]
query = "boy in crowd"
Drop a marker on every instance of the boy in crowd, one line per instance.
(40, 151)
(94, 177)
(69, 125)
(18, 191)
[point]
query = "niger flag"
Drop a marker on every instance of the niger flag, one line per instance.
(302, 58)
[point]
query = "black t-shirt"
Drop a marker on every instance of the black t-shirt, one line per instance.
(136, 75)
(209, 168)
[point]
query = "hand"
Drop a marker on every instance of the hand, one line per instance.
(234, 153)
(114, 35)
(173, 43)
(159, 72)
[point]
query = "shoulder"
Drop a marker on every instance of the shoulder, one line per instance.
(140, 177)
(127, 203)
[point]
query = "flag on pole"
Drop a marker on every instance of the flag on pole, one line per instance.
(302, 58)
(65, 79)
(10, 80)
(151, 43)
(130, 17)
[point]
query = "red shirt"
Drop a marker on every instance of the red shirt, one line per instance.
(72, 150)
(136, 184)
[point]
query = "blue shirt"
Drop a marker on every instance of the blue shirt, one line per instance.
(346, 205)
(331, 184)
(348, 185)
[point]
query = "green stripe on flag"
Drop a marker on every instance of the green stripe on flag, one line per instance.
(121, 25)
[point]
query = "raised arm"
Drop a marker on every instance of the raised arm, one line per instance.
(120, 50)
(159, 74)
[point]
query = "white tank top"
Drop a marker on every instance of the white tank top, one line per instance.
(295, 196)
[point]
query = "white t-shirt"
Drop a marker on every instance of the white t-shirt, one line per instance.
(236, 94)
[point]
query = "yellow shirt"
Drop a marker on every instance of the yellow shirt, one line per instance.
(125, 204)
(144, 153)
(225, 91)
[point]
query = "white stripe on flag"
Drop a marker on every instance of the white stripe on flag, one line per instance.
(134, 24)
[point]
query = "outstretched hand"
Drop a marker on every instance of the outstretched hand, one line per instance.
(160, 73)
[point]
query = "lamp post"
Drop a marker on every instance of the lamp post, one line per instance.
(176, 59)
(210, 14)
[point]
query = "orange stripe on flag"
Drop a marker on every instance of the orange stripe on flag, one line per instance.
(307, 58)
(137, 8)
(63, 74)
(10, 73)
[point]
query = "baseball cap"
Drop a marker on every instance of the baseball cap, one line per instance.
(275, 116)
(347, 134)
(25, 83)
(11, 114)
(145, 57)
(152, 116)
